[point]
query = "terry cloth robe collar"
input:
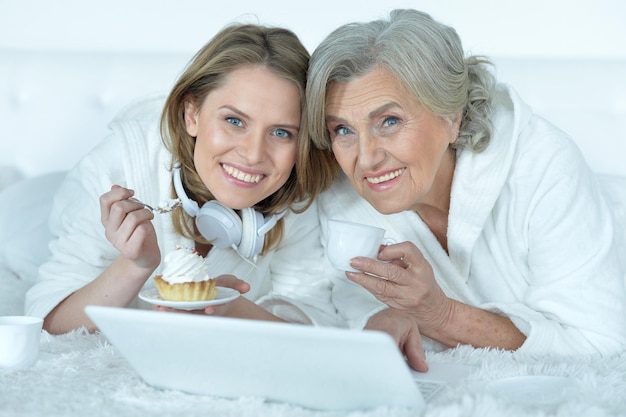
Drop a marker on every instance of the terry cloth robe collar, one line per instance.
(480, 177)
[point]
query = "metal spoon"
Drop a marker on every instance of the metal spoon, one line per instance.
(163, 207)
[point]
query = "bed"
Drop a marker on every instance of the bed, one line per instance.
(74, 93)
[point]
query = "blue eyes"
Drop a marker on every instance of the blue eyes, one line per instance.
(387, 122)
(234, 121)
(390, 121)
(280, 133)
(341, 130)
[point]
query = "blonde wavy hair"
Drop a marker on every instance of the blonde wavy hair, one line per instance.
(237, 46)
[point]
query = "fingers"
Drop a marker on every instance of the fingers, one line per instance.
(120, 216)
(230, 281)
(407, 275)
(388, 282)
(118, 201)
(405, 331)
(382, 289)
(219, 310)
(414, 352)
(107, 200)
(124, 228)
(174, 310)
(405, 255)
(392, 260)
(128, 226)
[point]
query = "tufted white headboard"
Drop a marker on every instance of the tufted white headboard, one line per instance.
(56, 105)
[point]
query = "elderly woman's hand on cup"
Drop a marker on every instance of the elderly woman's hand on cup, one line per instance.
(405, 281)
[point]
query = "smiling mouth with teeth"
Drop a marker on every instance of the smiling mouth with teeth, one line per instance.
(387, 177)
(242, 176)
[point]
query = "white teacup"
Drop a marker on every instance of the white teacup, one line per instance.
(19, 341)
(347, 240)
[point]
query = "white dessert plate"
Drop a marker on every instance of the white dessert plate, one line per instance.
(224, 295)
(533, 389)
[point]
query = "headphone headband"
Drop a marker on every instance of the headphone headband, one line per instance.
(190, 206)
(271, 222)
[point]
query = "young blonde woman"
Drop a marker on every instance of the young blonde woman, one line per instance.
(231, 126)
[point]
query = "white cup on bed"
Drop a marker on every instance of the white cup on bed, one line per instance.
(347, 240)
(19, 341)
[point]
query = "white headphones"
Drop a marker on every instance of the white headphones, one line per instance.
(223, 227)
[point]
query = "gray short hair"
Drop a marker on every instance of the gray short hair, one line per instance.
(425, 55)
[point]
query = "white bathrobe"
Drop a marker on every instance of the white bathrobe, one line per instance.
(287, 281)
(529, 236)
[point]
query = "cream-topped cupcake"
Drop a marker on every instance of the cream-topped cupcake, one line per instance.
(185, 277)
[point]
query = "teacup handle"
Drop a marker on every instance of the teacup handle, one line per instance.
(389, 241)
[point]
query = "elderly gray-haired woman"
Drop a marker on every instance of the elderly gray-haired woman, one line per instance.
(506, 240)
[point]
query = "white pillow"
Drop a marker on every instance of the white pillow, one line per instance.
(12, 293)
(614, 188)
(24, 210)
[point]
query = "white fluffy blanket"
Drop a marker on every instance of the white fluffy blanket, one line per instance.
(81, 374)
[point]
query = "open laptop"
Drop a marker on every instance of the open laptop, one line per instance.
(314, 367)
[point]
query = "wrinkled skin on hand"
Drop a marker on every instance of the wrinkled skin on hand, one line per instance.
(408, 286)
(403, 329)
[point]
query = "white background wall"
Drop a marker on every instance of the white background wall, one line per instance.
(529, 28)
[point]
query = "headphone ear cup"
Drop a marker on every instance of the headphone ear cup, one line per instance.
(251, 243)
(219, 224)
